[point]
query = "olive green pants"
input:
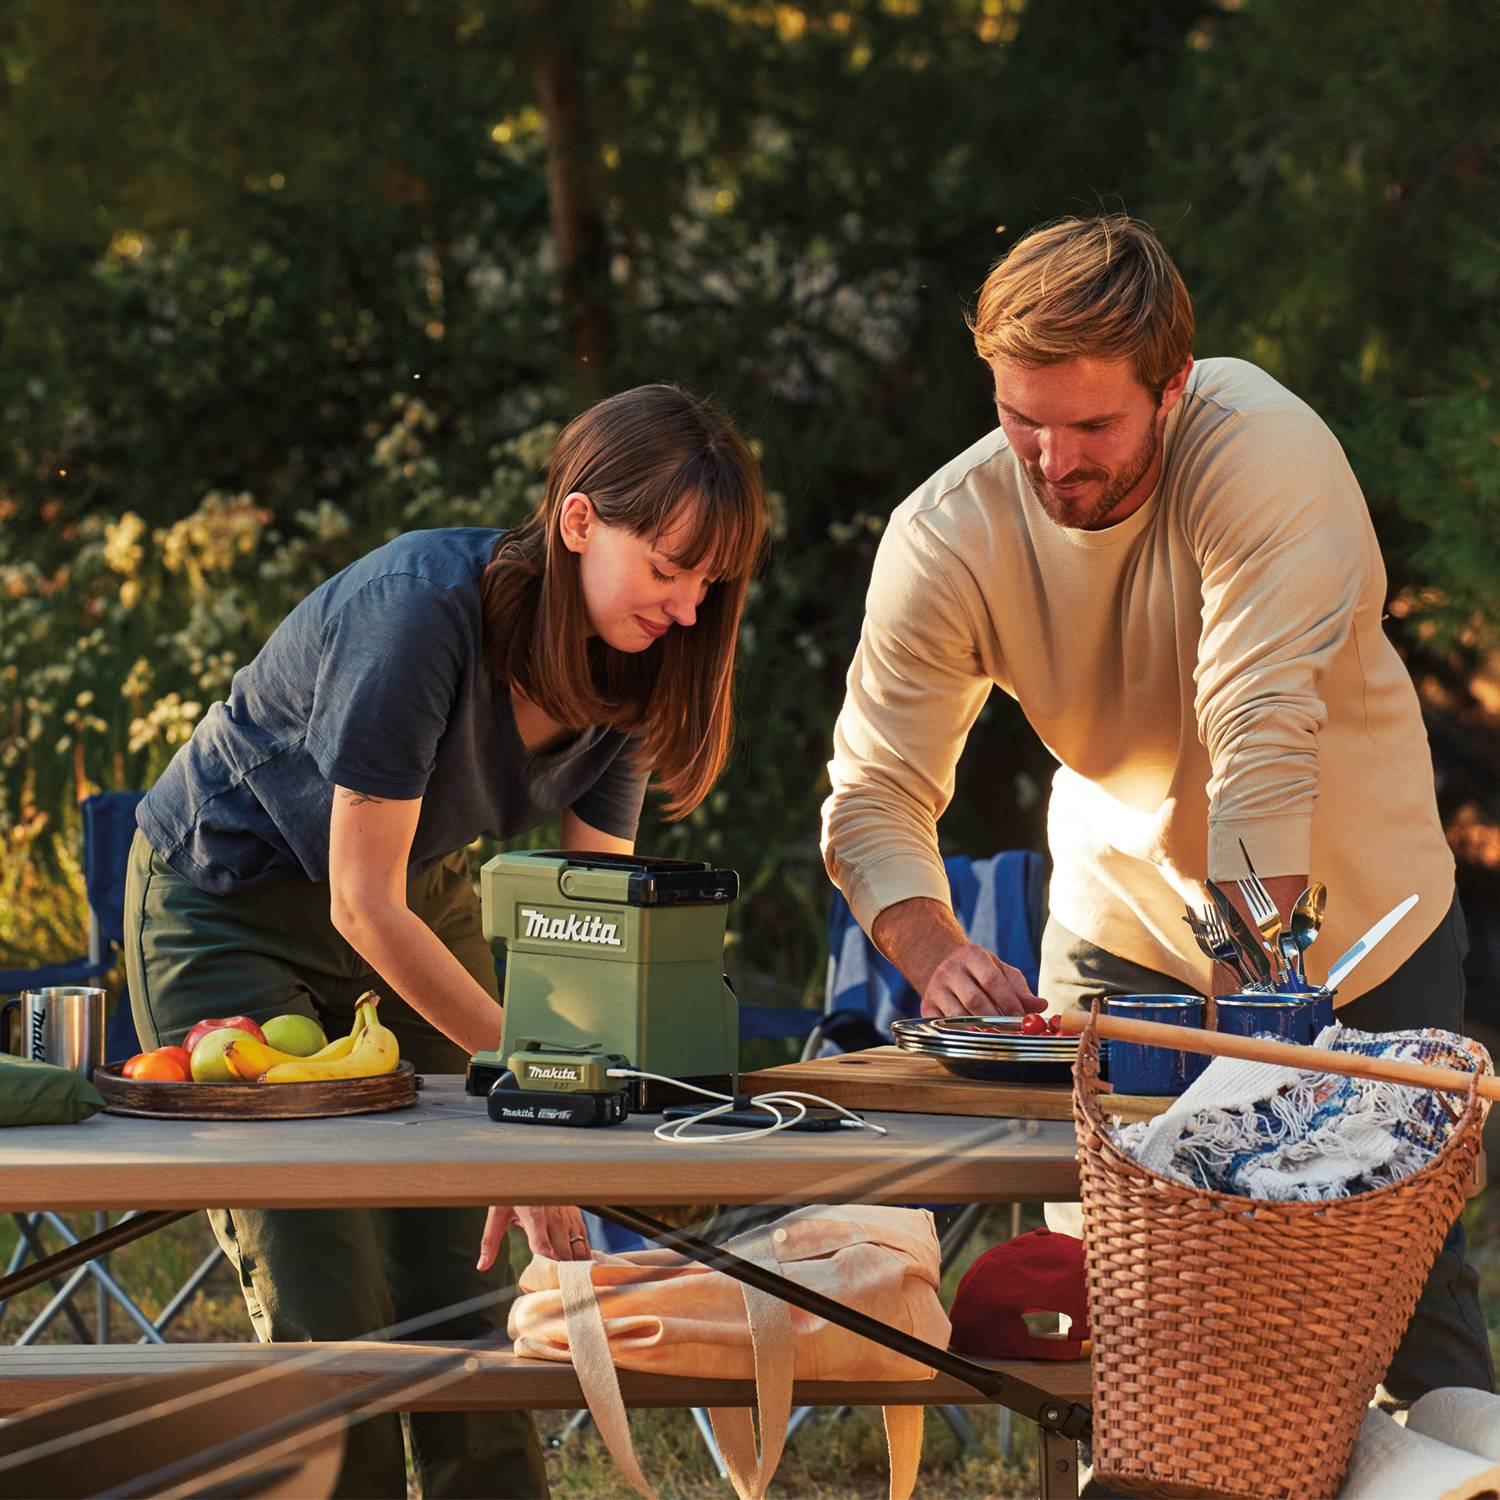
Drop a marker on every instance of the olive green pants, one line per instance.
(327, 1274)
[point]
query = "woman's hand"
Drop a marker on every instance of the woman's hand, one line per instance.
(555, 1232)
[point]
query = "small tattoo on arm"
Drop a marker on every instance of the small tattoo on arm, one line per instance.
(358, 799)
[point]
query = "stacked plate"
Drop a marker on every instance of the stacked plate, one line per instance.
(993, 1048)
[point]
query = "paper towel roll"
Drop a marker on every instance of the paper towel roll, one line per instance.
(1390, 1462)
(1460, 1417)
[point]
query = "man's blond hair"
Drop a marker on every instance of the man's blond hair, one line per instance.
(1100, 288)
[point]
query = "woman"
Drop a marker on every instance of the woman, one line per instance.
(309, 841)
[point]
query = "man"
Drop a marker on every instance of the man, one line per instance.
(1170, 566)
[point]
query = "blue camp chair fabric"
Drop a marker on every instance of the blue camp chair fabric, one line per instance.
(108, 828)
(998, 902)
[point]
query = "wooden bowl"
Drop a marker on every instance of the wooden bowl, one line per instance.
(157, 1100)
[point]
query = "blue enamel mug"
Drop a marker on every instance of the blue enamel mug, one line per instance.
(1137, 1069)
(1288, 1018)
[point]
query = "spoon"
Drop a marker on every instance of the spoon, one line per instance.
(1307, 918)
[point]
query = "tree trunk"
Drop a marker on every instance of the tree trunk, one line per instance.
(574, 192)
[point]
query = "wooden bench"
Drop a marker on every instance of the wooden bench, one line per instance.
(468, 1376)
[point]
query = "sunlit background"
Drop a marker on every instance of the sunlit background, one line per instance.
(278, 281)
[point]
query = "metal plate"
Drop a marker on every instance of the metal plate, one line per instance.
(981, 1039)
(929, 1048)
(156, 1100)
(992, 1071)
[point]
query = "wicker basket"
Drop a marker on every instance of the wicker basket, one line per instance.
(1237, 1342)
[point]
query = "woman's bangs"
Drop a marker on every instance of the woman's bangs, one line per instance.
(714, 527)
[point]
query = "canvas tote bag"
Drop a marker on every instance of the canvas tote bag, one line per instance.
(651, 1310)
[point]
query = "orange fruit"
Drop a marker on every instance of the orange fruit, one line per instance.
(180, 1056)
(162, 1066)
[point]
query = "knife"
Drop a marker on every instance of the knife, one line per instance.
(1347, 960)
(1245, 940)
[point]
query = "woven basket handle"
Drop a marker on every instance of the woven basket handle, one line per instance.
(1284, 1054)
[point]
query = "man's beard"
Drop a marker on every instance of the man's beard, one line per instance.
(1065, 511)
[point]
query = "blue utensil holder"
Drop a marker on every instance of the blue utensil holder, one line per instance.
(1288, 1018)
(1137, 1069)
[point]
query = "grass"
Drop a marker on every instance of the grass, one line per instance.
(828, 1458)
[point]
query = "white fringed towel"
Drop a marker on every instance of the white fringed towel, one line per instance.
(1390, 1462)
(1260, 1130)
(1460, 1417)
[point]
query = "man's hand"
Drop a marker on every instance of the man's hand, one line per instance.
(971, 981)
(555, 1232)
(953, 976)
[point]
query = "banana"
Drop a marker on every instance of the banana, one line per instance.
(375, 1051)
(248, 1058)
(253, 1059)
(340, 1048)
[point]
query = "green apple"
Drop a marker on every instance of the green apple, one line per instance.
(299, 1035)
(207, 1061)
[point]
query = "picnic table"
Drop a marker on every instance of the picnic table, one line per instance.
(446, 1151)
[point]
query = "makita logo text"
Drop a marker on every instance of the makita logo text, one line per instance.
(39, 1036)
(552, 1071)
(572, 928)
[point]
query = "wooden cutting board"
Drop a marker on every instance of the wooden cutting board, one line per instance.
(889, 1079)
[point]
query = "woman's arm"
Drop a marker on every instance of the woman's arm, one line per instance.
(576, 834)
(369, 841)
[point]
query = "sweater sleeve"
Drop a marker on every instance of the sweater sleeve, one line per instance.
(914, 690)
(1287, 551)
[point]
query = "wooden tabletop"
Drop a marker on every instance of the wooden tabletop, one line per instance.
(445, 1150)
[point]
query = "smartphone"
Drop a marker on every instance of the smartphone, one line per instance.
(757, 1119)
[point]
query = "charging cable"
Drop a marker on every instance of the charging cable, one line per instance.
(773, 1103)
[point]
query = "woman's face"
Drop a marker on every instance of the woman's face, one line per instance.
(634, 587)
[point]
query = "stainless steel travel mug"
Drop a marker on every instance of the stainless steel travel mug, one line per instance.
(63, 1026)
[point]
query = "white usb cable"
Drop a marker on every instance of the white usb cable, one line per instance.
(675, 1130)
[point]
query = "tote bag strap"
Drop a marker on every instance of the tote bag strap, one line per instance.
(771, 1343)
(595, 1366)
(770, 1322)
(903, 1441)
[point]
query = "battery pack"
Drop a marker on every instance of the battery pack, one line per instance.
(543, 1107)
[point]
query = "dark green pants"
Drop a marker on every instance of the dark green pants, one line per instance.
(327, 1274)
(1445, 1343)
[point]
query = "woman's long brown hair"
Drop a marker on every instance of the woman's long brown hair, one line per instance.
(646, 458)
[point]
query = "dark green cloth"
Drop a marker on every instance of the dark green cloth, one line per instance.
(328, 1274)
(37, 1093)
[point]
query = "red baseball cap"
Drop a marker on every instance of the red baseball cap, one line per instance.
(1040, 1272)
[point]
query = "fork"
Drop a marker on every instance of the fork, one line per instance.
(1266, 917)
(1223, 947)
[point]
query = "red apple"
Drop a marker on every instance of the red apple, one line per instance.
(202, 1029)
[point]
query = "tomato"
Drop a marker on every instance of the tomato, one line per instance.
(1054, 1024)
(1033, 1025)
(162, 1066)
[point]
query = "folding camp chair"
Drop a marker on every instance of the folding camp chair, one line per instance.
(108, 828)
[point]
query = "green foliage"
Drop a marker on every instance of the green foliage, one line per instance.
(275, 283)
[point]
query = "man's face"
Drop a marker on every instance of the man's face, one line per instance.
(1088, 434)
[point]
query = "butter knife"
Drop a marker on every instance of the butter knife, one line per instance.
(1351, 956)
(1239, 929)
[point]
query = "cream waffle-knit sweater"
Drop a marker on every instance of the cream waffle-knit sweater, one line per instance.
(1213, 668)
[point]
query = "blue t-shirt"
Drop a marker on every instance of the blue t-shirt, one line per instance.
(377, 682)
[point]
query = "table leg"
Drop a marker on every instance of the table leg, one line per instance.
(1056, 1465)
(96, 1244)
